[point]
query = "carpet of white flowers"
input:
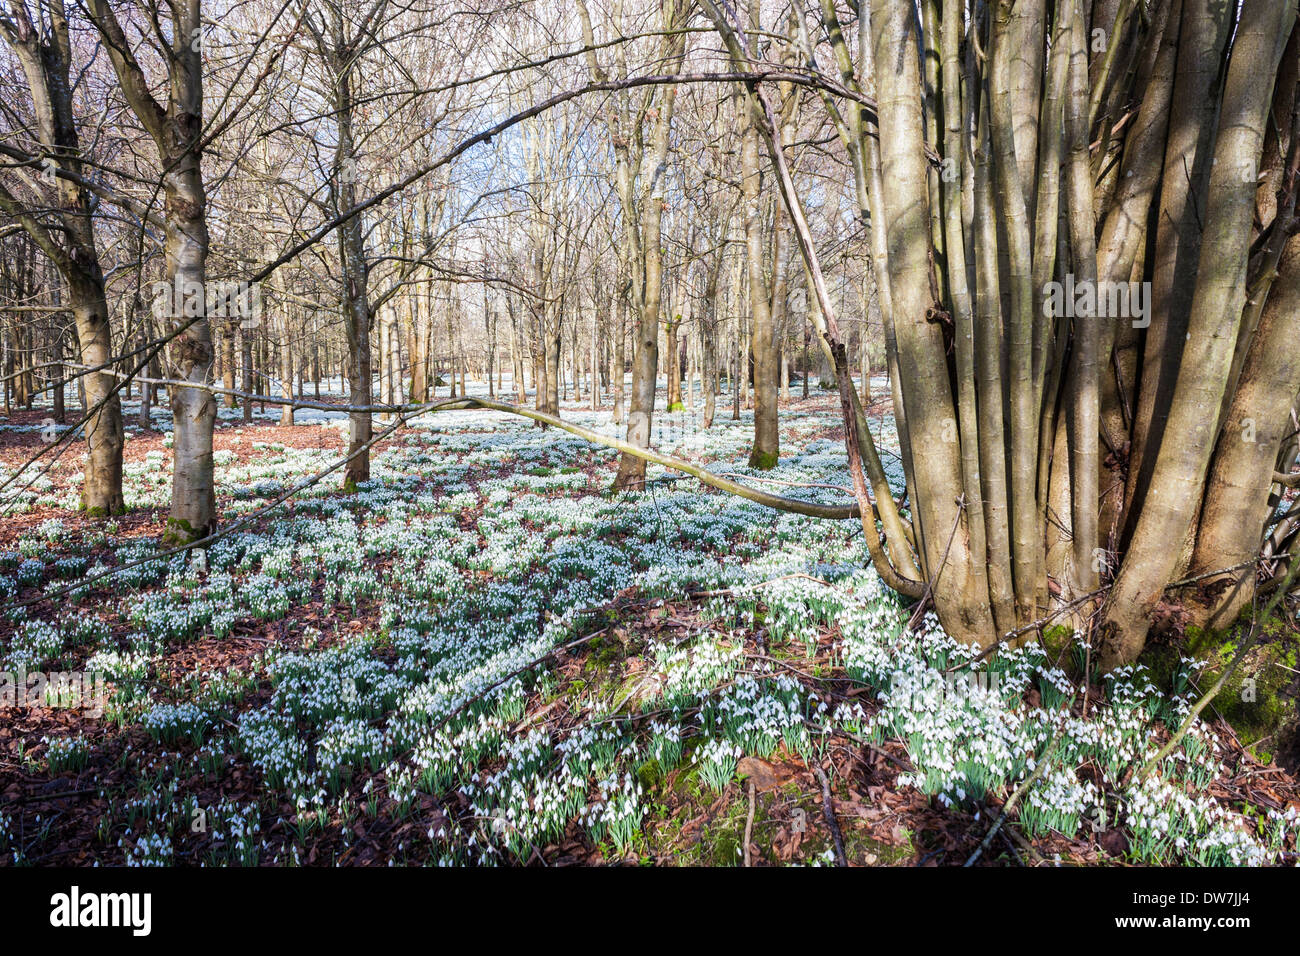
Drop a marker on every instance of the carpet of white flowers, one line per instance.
(452, 681)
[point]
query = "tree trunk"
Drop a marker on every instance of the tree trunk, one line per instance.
(619, 372)
(45, 56)
(765, 450)
(1178, 477)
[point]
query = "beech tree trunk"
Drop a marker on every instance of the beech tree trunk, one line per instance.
(46, 59)
(177, 131)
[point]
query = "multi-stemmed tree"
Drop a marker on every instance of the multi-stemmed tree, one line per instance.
(1083, 224)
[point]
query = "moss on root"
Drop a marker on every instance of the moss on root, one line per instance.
(1259, 698)
(99, 511)
(1056, 641)
(180, 532)
(1162, 661)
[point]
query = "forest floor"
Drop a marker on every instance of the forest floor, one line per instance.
(484, 657)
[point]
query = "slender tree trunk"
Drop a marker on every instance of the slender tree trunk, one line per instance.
(645, 361)
(177, 131)
(246, 385)
(286, 367)
(927, 399)
(619, 372)
(672, 368)
(765, 450)
(45, 55)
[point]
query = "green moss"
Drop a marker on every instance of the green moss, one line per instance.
(1256, 699)
(1161, 661)
(99, 511)
(603, 654)
(677, 407)
(1055, 640)
(626, 690)
(686, 783)
(603, 677)
(1252, 700)
(179, 531)
(762, 460)
(783, 652)
(862, 849)
(573, 694)
(719, 841)
(650, 775)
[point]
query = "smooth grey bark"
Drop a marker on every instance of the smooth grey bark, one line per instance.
(1178, 477)
(46, 59)
(176, 131)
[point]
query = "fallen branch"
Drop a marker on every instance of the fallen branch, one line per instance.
(1012, 801)
(749, 824)
(778, 502)
(407, 411)
(828, 811)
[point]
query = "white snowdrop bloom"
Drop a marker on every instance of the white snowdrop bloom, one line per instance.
(476, 549)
